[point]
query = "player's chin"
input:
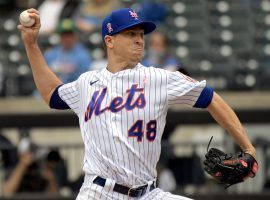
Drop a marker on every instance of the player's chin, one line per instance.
(137, 58)
(138, 55)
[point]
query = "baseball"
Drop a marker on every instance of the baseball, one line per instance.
(26, 20)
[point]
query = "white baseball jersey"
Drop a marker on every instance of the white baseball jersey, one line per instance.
(122, 118)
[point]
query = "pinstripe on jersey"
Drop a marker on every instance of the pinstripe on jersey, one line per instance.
(102, 102)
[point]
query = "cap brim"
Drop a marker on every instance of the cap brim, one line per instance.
(148, 26)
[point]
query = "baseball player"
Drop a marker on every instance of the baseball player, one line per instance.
(122, 109)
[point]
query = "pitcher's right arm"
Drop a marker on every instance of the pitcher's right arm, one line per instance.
(46, 81)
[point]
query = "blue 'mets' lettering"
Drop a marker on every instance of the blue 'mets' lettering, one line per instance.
(117, 104)
(95, 104)
(139, 102)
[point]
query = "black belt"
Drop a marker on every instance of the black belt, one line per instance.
(132, 192)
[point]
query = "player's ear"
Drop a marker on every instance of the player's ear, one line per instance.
(108, 41)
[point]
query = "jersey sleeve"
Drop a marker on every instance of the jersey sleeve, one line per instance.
(182, 89)
(69, 93)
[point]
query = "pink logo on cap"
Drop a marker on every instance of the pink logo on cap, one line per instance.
(109, 27)
(134, 14)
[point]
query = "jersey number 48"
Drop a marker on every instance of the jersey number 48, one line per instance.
(137, 131)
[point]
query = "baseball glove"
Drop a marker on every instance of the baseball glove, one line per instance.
(230, 169)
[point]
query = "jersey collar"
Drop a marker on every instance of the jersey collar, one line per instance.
(107, 73)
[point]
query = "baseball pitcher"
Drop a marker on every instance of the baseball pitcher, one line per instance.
(122, 109)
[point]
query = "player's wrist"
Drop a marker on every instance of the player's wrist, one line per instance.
(31, 45)
(251, 151)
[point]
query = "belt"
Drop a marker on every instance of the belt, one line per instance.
(132, 192)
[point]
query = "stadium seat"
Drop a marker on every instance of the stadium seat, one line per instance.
(193, 27)
(264, 62)
(190, 9)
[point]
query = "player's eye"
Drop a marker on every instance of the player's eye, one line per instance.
(131, 33)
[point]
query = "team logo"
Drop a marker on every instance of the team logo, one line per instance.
(134, 14)
(109, 27)
(135, 99)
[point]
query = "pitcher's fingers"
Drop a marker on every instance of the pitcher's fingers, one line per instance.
(36, 18)
(33, 10)
(21, 27)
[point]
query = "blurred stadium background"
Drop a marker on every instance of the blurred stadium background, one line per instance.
(226, 42)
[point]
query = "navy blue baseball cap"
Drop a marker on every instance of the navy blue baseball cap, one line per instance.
(122, 19)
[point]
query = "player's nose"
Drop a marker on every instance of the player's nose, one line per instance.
(139, 40)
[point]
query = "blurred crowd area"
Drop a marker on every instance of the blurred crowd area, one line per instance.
(226, 42)
(32, 164)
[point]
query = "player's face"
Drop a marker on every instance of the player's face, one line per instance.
(129, 44)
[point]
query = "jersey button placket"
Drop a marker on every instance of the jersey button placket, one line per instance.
(114, 82)
(115, 119)
(114, 128)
